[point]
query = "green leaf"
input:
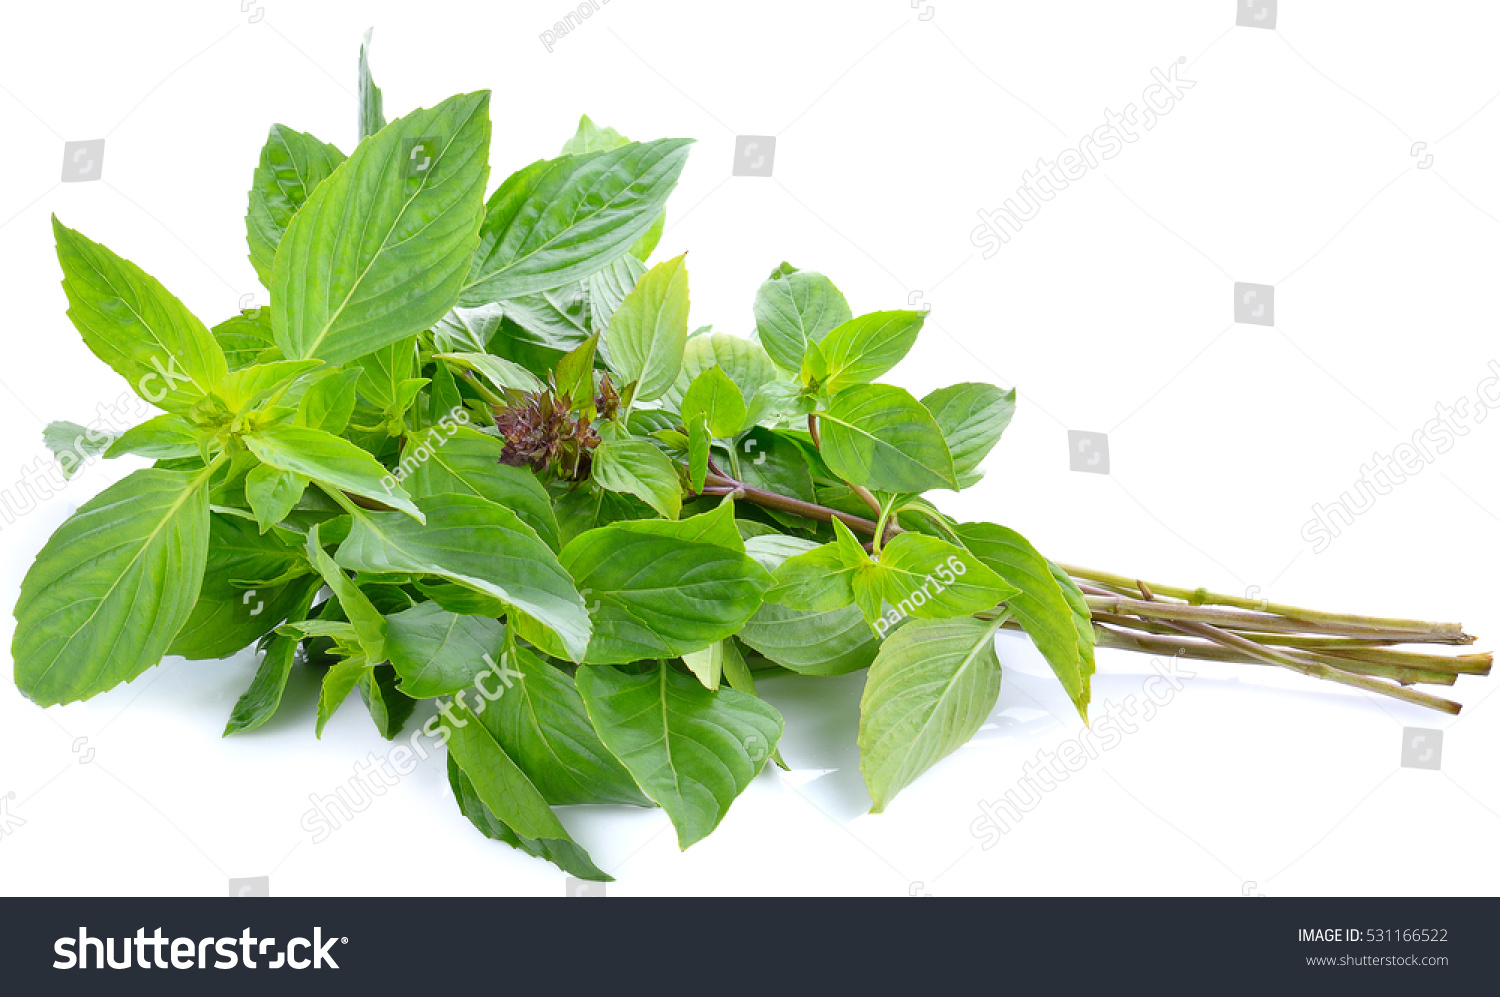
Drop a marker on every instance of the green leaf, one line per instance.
(638, 468)
(589, 507)
(497, 780)
(692, 751)
(646, 244)
(931, 579)
(331, 459)
(482, 546)
(707, 665)
(1083, 622)
(338, 682)
(648, 333)
(746, 364)
(881, 437)
(592, 138)
(246, 338)
(771, 461)
(261, 701)
(136, 326)
(249, 385)
(538, 717)
(371, 103)
(714, 397)
(249, 586)
(72, 445)
(864, 348)
(736, 671)
(566, 855)
(929, 691)
(606, 289)
(700, 446)
(716, 526)
(445, 402)
(812, 643)
(272, 493)
(369, 624)
(164, 437)
(548, 321)
(575, 375)
(112, 586)
(383, 372)
(805, 641)
(455, 458)
(822, 579)
(380, 250)
(437, 653)
(467, 330)
(657, 595)
(972, 416)
(292, 164)
(559, 220)
(1040, 604)
(389, 707)
(793, 309)
(329, 402)
(500, 372)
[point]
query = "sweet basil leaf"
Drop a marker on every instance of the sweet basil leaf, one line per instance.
(112, 587)
(1040, 603)
(72, 445)
(453, 458)
(331, 459)
(261, 701)
(165, 437)
(389, 707)
(537, 716)
(136, 326)
(793, 309)
(559, 220)
(292, 164)
(864, 348)
(381, 248)
(565, 854)
(477, 544)
(648, 332)
(972, 417)
(716, 399)
(497, 780)
(247, 589)
(273, 493)
(690, 750)
(638, 468)
(658, 596)
(437, 653)
(880, 437)
(371, 103)
(928, 692)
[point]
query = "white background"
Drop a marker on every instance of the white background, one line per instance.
(1290, 162)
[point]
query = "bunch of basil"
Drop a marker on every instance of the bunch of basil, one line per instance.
(471, 452)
